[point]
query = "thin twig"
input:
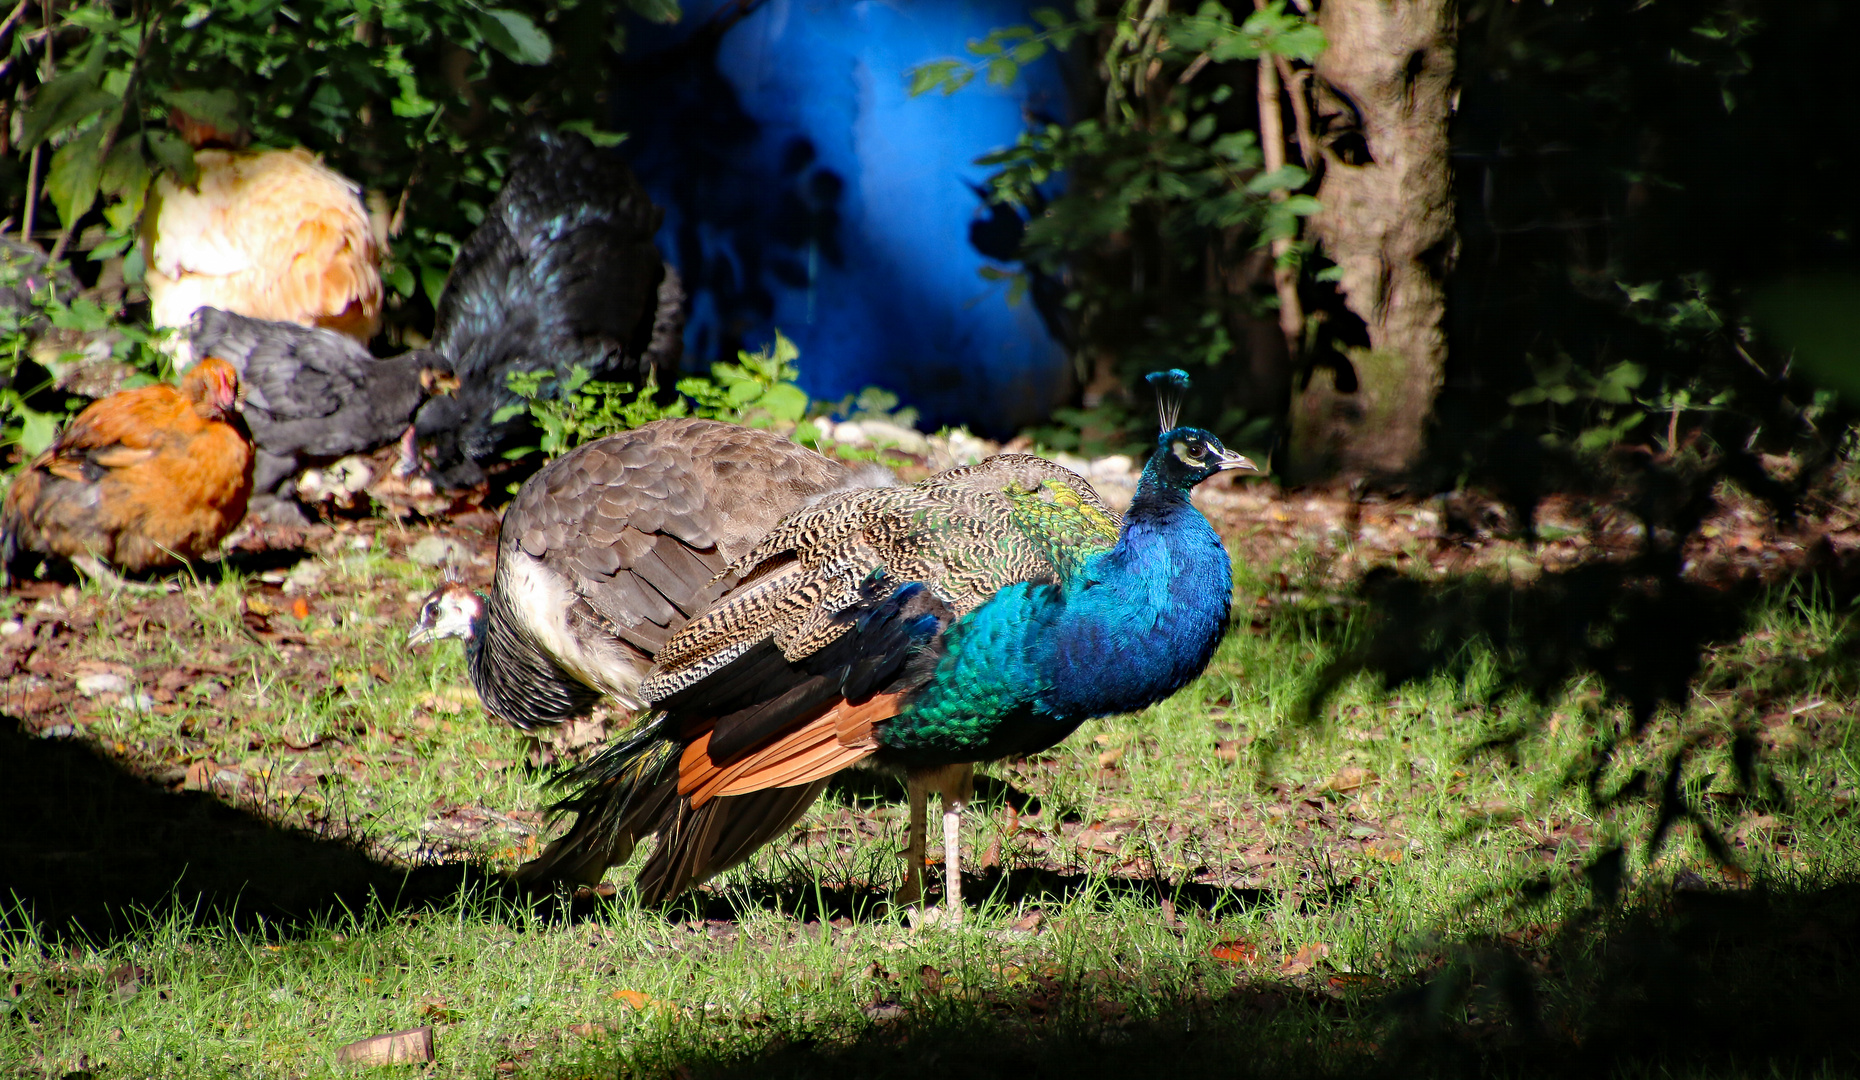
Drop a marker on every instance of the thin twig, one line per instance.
(7, 23)
(1272, 142)
(47, 70)
(1297, 82)
(32, 196)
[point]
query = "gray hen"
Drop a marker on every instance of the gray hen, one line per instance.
(610, 549)
(312, 395)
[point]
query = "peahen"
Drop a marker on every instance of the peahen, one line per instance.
(605, 553)
(984, 612)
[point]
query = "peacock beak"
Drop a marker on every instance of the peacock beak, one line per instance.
(1230, 460)
(420, 635)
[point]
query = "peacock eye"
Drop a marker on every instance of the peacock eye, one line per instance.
(1190, 451)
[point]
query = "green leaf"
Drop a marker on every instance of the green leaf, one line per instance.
(1283, 178)
(515, 36)
(659, 11)
(433, 281)
(217, 107)
(1239, 147)
(36, 431)
(1819, 318)
(1003, 71)
(72, 183)
(68, 100)
(175, 156)
(784, 402)
(587, 130)
(399, 277)
(125, 176)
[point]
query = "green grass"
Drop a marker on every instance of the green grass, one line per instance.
(1222, 882)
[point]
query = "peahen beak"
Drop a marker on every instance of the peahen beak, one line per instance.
(1230, 460)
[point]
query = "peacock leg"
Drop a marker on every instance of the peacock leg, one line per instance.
(912, 891)
(956, 784)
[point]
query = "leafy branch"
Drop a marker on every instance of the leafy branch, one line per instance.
(1147, 211)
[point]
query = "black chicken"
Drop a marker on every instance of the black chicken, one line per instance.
(561, 273)
(313, 395)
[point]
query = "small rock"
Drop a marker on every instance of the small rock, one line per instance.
(1113, 467)
(11, 627)
(57, 731)
(101, 683)
(886, 434)
(351, 474)
(437, 551)
(966, 449)
(305, 577)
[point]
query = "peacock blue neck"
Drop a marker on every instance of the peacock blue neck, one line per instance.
(1133, 625)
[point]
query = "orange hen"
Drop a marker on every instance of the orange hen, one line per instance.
(141, 479)
(269, 234)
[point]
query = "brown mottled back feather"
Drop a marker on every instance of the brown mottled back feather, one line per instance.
(609, 550)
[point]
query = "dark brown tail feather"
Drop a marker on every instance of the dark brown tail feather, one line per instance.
(633, 793)
(699, 844)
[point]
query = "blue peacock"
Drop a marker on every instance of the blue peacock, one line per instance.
(984, 612)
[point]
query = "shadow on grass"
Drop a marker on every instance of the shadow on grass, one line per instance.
(1693, 983)
(87, 845)
(799, 898)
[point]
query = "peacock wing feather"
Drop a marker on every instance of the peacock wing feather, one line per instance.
(965, 533)
(1062, 524)
(606, 553)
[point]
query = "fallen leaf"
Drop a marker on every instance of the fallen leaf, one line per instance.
(1234, 951)
(1304, 959)
(449, 699)
(589, 1031)
(1108, 758)
(258, 607)
(634, 999)
(393, 1048)
(300, 607)
(930, 978)
(1227, 749)
(199, 775)
(127, 980)
(1029, 923)
(1349, 778)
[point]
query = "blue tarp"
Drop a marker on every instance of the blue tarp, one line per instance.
(806, 190)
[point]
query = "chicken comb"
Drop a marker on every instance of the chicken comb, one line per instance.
(1171, 387)
(213, 382)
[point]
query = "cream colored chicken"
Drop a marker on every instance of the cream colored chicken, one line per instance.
(270, 234)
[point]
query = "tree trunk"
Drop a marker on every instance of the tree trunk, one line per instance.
(1384, 90)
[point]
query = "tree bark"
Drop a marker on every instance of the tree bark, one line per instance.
(1384, 95)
